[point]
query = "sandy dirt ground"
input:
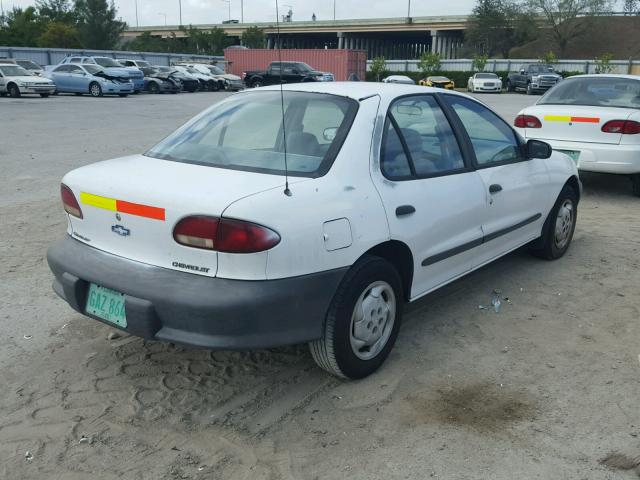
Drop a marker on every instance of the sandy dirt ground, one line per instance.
(542, 390)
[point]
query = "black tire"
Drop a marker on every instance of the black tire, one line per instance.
(13, 90)
(549, 246)
(123, 95)
(95, 90)
(44, 95)
(153, 87)
(529, 89)
(256, 84)
(635, 184)
(509, 87)
(3, 94)
(213, 86)
(334, 351)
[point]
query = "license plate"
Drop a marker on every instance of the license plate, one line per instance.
(572, 153)
(106, 304)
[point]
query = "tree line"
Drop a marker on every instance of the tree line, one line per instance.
(63, 24)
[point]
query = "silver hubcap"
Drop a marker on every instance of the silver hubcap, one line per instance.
(372, 320)
(95, 89)
(564, 224)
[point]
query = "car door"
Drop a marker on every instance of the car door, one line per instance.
(61, 77)
(516, 189)
(433, 198)
(78, 79)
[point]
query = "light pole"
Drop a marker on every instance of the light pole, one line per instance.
(241, 11)
(165, 17)
(229, 2)
(409, 10)
(180, 9)
(137, 23)
(334, 10)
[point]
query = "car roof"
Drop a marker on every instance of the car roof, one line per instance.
(357, 90)
(606, 75)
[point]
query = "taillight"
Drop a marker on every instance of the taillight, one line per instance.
(224, 235)
(625, 127)
(527, 121)
(71, 205)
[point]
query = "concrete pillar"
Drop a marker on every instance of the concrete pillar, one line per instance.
(340, 40)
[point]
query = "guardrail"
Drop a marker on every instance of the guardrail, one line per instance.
(53, 56)
(512, 65)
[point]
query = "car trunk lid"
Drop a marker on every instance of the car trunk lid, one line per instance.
(130, 206)
(575, 123)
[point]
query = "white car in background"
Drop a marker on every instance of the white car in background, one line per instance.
(484, 82)
(224, 237)
(403, 79)
(595, 119)
(16, 81)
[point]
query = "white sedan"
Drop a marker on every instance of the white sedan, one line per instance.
(484, 82)
(246, 230)
(16, 81)
(595, 119)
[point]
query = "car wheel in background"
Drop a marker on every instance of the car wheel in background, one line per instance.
(123, 95)
(256, 84)
(213, 86)
(44, 95)
(363, 320)
(153, 87)
(3, 94)
(509, 86)
(13, 90)
(529, 89)
(95, 89)
(635, 184)
(557, 231)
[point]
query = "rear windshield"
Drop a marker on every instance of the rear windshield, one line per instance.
(595, 91)
(246, 133)
(439, 79)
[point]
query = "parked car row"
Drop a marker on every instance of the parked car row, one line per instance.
(98, 76)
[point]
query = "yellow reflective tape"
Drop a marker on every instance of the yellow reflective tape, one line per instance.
(98, 202)
(558, 118)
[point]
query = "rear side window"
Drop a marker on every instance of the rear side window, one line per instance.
(429, 146)
(492, 139)
(246, 133)
(597, 91)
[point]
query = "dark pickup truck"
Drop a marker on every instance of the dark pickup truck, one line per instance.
(533, 78)
(289, 72)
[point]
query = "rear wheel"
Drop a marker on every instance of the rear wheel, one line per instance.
(123, 95)
(362, 322)
(13, 90)
(154, 88)
(95, 89)
(256, 84)
(44, 95)
(635, 184)
(559, 227)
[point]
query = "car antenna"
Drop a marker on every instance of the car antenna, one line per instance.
(287, 192)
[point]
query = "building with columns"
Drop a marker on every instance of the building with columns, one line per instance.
(393, 38)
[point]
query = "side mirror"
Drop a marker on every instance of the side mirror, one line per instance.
(538, 149)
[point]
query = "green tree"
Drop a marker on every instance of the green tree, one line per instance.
(253, 37)
(603, 63)
(98, 26)
(548, 58)
(59, 35)
(429, 63)
(479, 62)
(61, 11)
(22, 28)
(378, 67)
(569, 19)
(496, 26)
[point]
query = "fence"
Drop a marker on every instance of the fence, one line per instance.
(509, 65)
(53, 56)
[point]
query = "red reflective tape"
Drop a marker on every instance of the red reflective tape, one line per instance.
(585, 119)
(140, 210)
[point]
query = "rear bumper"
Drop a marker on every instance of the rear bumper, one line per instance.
(601, 157)
(191, 309)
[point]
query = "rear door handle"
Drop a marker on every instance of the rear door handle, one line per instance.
(495, 188)
(403, 210)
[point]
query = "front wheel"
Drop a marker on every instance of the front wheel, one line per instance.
(95, 89)
(44, 95)
(558, 229)
(635, 184)
(256, 84)
(14, 91)
(362, 322)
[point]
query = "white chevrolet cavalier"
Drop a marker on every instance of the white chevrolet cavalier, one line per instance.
(393, 191)
(595, 119)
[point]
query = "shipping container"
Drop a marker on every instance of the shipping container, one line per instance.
(342, 63)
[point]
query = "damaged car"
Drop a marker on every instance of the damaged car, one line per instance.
(162, 82)
(189, 82)
(91, 79)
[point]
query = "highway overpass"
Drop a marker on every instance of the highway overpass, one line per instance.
(404, 37)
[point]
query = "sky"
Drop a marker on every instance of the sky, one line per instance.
(152, 12)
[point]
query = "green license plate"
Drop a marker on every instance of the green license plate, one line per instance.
(572, 153)
(106, 304)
